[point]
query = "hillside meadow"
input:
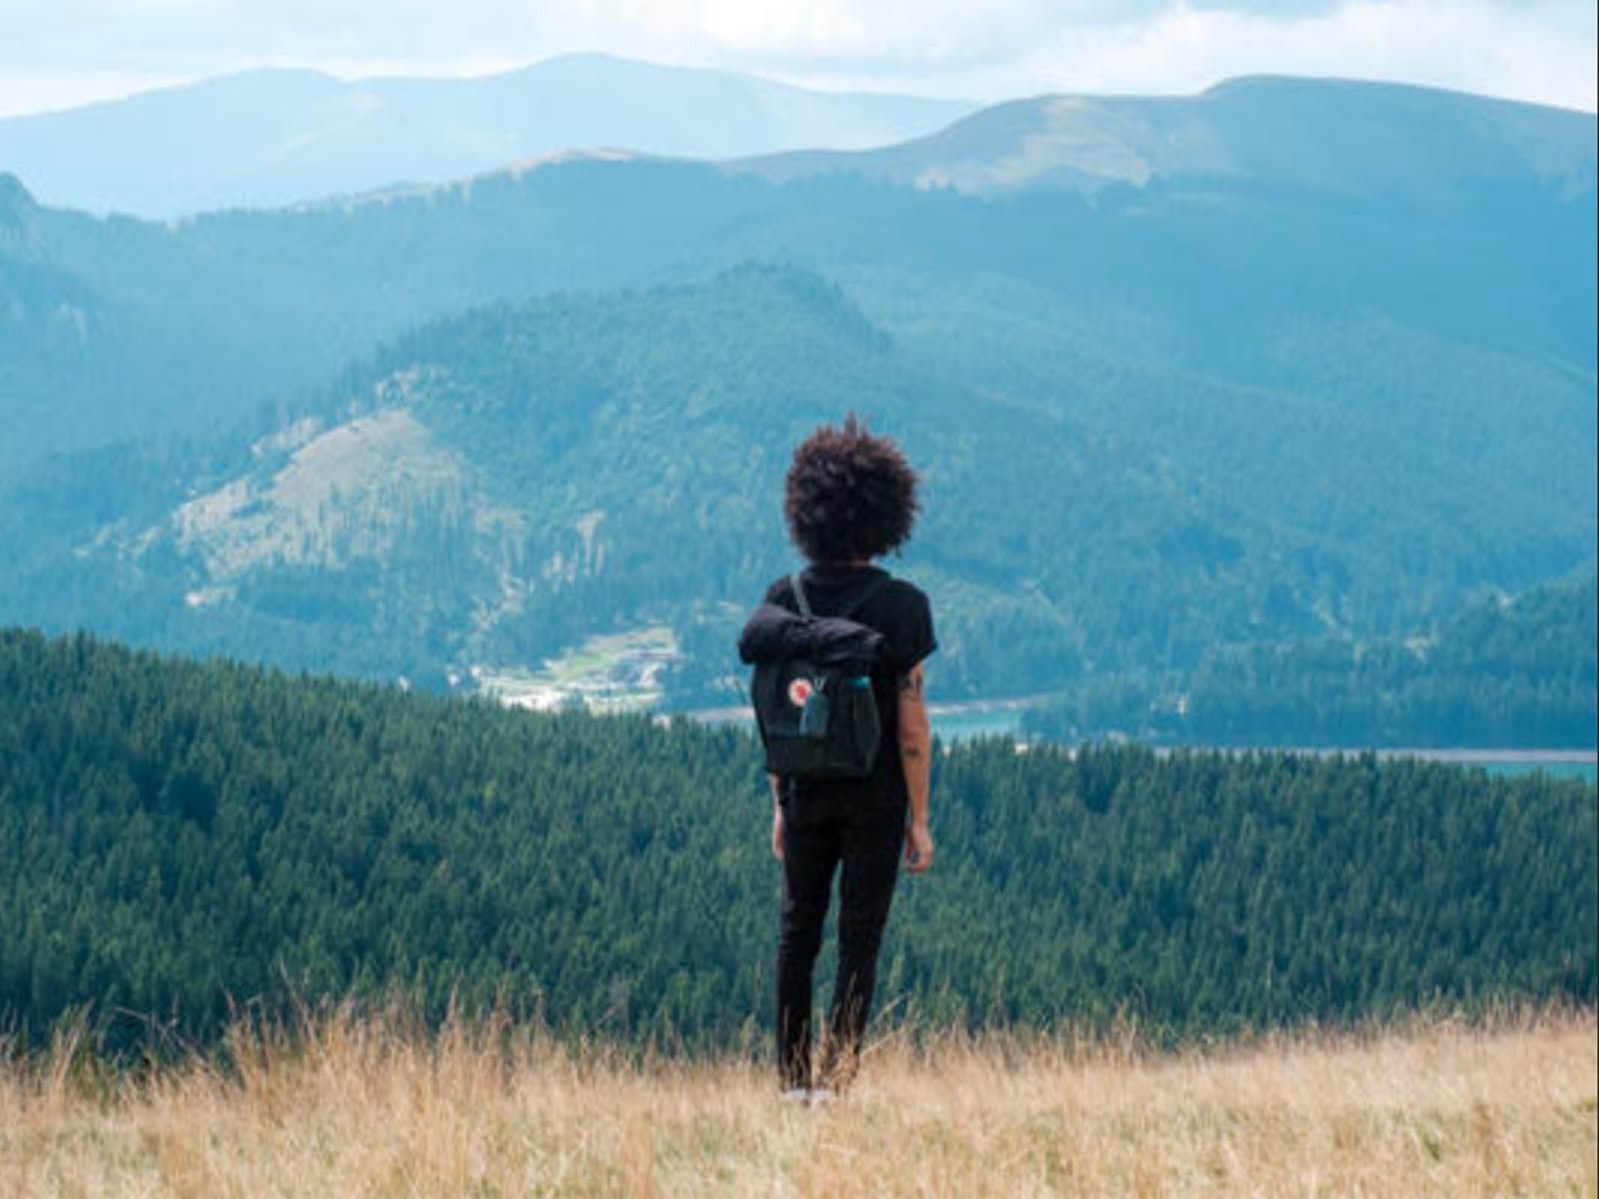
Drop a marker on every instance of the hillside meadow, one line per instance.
(366, 1106)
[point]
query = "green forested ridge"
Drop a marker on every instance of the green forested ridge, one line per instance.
(1341, 389)
(494, 487)
(179, 834)
(1511, 673)
(1187, 283)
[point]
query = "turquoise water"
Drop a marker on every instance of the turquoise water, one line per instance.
(1007, 721)
(1588, 771)
(962, 726)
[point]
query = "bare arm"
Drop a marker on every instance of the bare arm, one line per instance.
(777, 816)
(916, 756)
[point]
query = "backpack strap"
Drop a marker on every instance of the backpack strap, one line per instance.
(804, 603)
(799, 594)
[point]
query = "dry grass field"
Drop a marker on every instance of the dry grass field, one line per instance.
(363, 1107)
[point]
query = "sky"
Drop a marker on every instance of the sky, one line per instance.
(62, 53)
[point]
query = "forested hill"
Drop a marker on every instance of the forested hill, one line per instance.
(1509, 672)
(182, 836)
(1315, 232)
(494, 489)
(1285, 387)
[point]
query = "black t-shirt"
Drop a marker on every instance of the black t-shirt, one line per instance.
(898, 610)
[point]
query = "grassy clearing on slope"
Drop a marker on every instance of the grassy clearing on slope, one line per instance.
(368, 1107)
(608, 673)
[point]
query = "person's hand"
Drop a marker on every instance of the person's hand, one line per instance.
(777, 832)
(918, 847)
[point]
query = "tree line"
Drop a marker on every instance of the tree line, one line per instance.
(180, 838)
(1510, 673)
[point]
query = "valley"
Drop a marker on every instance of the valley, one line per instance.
(398, 414)
(1141, 383)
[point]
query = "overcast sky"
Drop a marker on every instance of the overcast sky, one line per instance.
(58, 53)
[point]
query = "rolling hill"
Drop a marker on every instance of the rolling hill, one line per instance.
(268, 138)
(500, 486)
(1510, 671)
(1198, 408)
(496, 489)
(1480, 244)
(1342, 137)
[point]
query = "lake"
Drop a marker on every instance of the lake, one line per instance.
(990, 718)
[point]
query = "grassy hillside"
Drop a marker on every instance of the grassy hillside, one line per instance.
(190, 837)
(368, 1107)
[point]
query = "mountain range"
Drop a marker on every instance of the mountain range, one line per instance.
(1289, 359)
(276, 136)
(496, 487)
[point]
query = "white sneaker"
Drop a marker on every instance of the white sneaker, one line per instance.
(820, 1096)
(797, 1095)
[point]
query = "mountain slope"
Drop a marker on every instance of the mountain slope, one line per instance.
(1343, 137)
(202, 322)
(274, 137)
(186, 840)
(498, 488)
(1243, 410)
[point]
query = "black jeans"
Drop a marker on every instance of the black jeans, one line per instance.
(821, 830)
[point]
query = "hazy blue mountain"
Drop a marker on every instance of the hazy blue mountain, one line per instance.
(273, 137)
(1342, 137)
(493, 490)
(1290, 407)
(1473, 225)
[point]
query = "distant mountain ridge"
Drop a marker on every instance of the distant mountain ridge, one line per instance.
(1289, 402)
(272, 137)
(1316, 135)
(276, 137)
(117, 326)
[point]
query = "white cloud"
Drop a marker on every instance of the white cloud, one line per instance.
(1531, 52)
(911, 33)
(1541, 52)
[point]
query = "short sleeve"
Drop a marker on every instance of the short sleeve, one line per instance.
(781, 593)
(911, 639)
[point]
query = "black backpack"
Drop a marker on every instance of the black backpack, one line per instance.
(819, 720)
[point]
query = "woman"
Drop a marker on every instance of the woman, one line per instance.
(850, 498)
